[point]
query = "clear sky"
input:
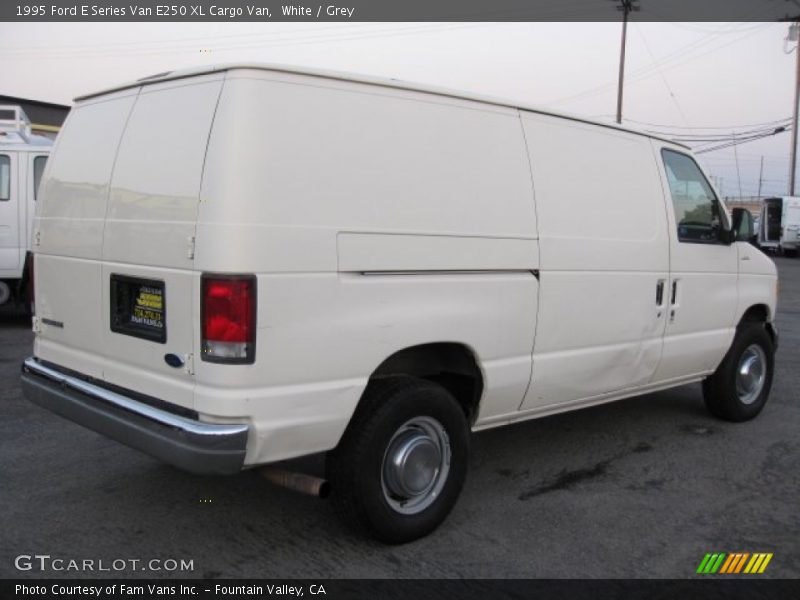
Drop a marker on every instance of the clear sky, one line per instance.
(681, 76)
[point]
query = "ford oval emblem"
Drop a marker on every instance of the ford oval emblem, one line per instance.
(173, 360)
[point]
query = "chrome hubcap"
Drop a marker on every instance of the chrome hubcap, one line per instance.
(415, 465)
(750, 374)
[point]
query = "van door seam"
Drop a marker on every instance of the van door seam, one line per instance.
(536, 272)
(105, 220)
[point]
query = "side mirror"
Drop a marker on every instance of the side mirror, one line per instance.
(742, 225)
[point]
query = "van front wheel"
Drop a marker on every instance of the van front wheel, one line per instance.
(738, 389)
(402, 462)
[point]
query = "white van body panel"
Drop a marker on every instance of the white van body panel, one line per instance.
(757, 283)
(321, 342)
(10, 225)
(19, 152)
(790, 240)
(329, 275)
(375, 218)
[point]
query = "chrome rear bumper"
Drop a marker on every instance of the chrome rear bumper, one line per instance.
(204, 448)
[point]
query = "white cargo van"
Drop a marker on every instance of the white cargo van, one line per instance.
(22, 159)
(245, 264)
(779, 225)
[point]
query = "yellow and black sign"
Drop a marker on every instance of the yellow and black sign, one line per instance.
(138, 308)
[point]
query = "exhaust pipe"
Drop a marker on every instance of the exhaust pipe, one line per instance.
(299, 482)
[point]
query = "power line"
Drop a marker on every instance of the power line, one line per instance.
(726, 127)
(663, 78)
(707, 139)
(153, 49)
(667, 62)
(736, 141)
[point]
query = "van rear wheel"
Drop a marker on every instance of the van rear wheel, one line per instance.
(402, 462)
(738, 389)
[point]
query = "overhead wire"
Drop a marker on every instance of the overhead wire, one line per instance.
(682, 55)
(737, 141)
(274, 42)
(661, 73)
(726, 127)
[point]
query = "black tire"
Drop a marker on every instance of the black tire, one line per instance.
(355, 467)
(790, 253)
(720, 392)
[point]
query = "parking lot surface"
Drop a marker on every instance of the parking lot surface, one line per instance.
(639, 488)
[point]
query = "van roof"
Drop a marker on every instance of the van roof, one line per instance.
(368, 79)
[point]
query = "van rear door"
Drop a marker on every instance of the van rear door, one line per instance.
(68, 234)
(148, 283)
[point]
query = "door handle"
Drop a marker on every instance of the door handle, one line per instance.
(660, 293)
(673, 301)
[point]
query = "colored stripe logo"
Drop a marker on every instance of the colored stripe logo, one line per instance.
(734, 563)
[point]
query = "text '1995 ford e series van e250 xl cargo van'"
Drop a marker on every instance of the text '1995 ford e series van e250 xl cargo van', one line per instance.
(244, 264)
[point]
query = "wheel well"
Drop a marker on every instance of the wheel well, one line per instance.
(759, 313)
(451, 365)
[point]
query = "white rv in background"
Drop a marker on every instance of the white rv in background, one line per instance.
(23, 156)
(779, 225)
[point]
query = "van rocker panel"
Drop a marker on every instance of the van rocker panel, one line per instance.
(194, 446)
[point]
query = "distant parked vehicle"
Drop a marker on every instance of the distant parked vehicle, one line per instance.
(779, 226)
(23, 156)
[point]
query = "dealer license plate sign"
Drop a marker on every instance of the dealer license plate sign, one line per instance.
(139, 308)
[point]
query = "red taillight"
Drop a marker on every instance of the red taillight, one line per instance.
(229, 318)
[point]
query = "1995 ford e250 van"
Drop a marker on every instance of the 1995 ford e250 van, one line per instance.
(244, 264)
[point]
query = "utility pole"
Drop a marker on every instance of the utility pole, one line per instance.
(793, 37)
(760, 176)
(736, 157)
(626, 6)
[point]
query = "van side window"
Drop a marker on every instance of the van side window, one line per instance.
(38, 168)
(5, 178)
(697, 210)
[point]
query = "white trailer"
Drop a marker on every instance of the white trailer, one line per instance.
(23, 156)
